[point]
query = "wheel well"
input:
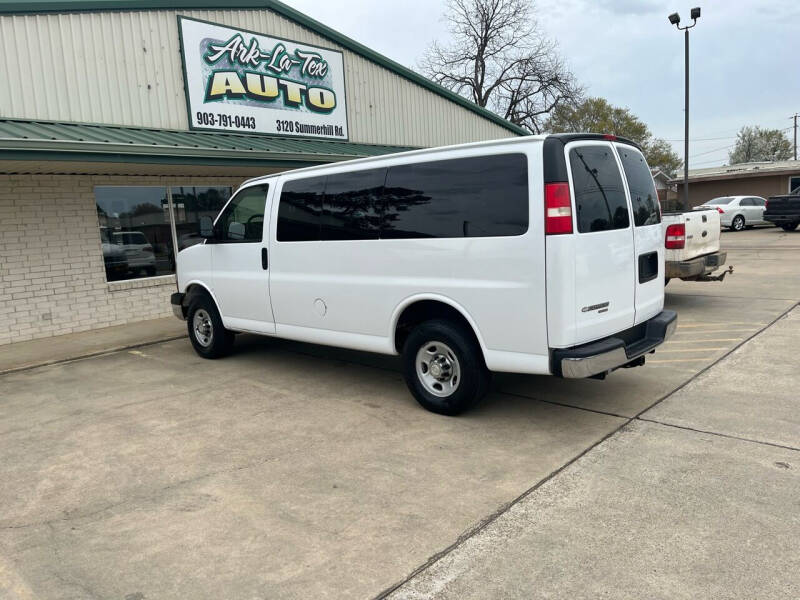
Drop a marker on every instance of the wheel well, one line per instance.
(196, 290)
(425, 310)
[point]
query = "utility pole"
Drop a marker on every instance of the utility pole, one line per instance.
(795, 134)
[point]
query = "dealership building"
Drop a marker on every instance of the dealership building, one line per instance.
(122, 123)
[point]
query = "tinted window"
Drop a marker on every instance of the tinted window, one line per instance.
(192, 202)
(599, 195)
(468, 197)
(351, 208)
(243, 218)
(715, 201)
(746, 202)
(644, 198)
(300, 210)
(758, 201)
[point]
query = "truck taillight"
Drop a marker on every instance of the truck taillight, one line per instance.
(557, 209)
(676, 237)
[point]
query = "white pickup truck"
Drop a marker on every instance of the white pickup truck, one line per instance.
(691, 242)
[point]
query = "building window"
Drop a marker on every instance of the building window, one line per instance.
(794, 183)
(136, 231)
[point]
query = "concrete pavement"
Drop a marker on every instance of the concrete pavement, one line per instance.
(295, 471)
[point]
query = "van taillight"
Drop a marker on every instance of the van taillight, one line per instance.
(557, 209)
(676, 237)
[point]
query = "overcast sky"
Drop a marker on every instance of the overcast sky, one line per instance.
(745, 57)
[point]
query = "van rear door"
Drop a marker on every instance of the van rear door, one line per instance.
(605, 258)
(648, 239)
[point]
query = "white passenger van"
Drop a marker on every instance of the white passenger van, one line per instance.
(540, 254)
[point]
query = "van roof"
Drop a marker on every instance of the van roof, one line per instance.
(564, 138)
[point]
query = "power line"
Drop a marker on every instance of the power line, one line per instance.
(712, 151)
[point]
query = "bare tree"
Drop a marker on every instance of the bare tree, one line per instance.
(499, 59)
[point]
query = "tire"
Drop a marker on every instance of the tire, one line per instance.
(452, 351)
(209, 337)
(789, 226)
(738, 223)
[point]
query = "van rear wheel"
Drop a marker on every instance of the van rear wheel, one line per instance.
(209, 337)
(444, 368)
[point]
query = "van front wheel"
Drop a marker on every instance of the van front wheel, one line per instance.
(209, 337)
(443, 367)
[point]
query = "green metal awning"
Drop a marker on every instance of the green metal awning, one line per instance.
(48, 140)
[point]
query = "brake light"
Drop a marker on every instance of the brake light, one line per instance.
(720, 211)
(557, 209)
(676, 237)
(610, 137)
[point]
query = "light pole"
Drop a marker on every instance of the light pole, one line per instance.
(675, 19)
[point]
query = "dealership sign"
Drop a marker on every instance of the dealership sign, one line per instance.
(242, 81)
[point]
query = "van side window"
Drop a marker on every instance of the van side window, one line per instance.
(351, 208)
(644, 197)
(466, 197)
(597, 185)
(243, 218)
(300, 209)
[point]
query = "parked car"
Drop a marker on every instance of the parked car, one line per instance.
(114, 259)
(784, 211)
(541, 254)
(738, 212)
(138, 251)
(691, 240)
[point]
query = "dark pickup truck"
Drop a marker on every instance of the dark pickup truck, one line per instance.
(784, 211)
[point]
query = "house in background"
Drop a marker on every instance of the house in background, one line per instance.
(667, 195)
(763, 179)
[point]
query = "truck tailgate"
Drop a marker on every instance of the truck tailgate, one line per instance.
(702, 233)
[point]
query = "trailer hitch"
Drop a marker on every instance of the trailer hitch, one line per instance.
(719, 277)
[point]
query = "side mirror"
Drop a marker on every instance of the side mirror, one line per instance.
(236, 231)
(206, 228)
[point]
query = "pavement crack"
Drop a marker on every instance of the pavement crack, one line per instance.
(718, 434)
(482, 524)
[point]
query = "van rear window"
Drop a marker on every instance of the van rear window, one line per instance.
(644, 197)
(597, 185)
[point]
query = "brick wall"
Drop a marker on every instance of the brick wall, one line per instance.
(52, 275)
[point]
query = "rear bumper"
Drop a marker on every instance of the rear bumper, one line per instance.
(702, 265)
(176, 300)
(603, 356)
(782, 219)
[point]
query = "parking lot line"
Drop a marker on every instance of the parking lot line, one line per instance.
(673, 360)
(693, 325)
(703, 341)
(715, 331)
(696, 350)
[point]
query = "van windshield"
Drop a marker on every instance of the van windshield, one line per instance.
(720, 201)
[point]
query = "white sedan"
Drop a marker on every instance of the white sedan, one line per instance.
(738, 212)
